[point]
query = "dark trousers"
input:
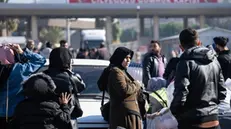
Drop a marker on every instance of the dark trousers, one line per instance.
(225, 120)
(180, 126)
(3, 123)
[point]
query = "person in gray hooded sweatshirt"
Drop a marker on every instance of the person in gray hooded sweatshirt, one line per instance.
(199, 85)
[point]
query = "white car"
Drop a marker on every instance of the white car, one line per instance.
(90, 99)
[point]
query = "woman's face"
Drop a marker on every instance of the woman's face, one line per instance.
(126, 61)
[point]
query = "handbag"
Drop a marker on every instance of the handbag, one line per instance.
(105, 108)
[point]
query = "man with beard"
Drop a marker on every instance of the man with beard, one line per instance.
(153, 63)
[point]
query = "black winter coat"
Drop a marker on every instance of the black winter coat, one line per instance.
(224, 59)
(66, 81)
(32, 114)
(170, 69)
(41, 109)
(63, 82)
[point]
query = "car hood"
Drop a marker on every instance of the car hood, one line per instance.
(91, 113)
(90, 106)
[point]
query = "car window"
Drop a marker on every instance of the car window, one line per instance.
(90, 76)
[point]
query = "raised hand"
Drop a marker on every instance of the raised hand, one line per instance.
(17, 48)
(65, 98)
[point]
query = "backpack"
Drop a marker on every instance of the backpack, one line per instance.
(102, 85)
(103, 79)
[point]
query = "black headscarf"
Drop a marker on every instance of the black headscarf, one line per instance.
(115, 60)
(60, 58)
(119, 55)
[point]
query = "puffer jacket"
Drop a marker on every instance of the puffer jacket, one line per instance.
(150, 67)
(199, 87)
(41, 109)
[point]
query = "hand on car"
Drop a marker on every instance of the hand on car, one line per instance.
(65, 98)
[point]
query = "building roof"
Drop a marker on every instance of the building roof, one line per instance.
(199, 31)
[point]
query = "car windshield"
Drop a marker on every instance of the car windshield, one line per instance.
(90, 76)
(93, 43)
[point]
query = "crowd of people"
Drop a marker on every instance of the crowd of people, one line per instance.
(82, 53)
(49, 99)
(44, 100)
(200, 98)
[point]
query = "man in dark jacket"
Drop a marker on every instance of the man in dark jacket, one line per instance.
(60, 72)
(63, 43)
(153, 63)
(224, 55)
(170, 70)
(199, 85)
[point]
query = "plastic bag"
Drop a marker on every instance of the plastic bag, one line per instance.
(135, 72)
(170, 90)
(162, 120)
(224, 105)
(228, 83)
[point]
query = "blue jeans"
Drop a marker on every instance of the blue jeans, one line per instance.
(225, 120)
(144, 124)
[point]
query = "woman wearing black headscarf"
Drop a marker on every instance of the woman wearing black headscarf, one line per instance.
(60, 72)
(124, 109)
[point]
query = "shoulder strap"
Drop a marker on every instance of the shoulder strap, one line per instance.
(161, 98)
(104, 89)
(102, 101)
(7, 100)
